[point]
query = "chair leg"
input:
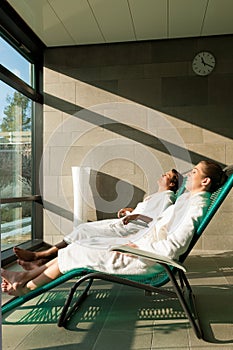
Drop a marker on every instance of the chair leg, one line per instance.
(66, 313)
(193, 319)
(192, 300)
(190, 310)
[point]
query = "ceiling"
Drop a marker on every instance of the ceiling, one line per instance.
(78, 22)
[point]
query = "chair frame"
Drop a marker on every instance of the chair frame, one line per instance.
(179, 289)
(180, 284)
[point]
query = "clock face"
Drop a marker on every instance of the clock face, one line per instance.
(203, 63)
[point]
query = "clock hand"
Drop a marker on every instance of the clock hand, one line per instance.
(202, 61)
(207, 64)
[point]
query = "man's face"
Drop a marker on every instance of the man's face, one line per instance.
(165, 179)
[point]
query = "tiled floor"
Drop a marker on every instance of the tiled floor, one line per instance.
(117, 317)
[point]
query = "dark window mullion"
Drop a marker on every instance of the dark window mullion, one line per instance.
(20, 36)
(12, 80)
(33, 198)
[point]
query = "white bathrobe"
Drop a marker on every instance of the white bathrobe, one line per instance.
(104, 233)
(170, 236)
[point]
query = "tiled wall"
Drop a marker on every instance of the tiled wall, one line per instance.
(131, 111)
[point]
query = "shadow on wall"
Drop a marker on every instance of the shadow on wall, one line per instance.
(127, 131)
(106, 201)
(157, 74)
(99, 182)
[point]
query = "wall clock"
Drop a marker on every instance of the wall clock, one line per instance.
(203, 63)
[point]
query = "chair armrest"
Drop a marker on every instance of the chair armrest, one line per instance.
(148, 255)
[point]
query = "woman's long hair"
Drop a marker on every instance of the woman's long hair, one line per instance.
(215, 173)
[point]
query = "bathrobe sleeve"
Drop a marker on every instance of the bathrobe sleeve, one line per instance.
(155, 204)
(180, 235)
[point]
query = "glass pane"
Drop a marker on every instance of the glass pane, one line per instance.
(15, 224)
(15, 153)
(14, 62)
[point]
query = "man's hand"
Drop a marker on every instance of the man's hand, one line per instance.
(131, 217)
(123, 212)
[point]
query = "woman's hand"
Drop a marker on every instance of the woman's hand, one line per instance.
(133, 245)
(130, 244)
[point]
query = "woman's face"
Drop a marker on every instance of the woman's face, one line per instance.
(195, 178)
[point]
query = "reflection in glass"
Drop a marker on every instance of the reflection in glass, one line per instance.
(16, 63)
(15, 165)
(15, 224)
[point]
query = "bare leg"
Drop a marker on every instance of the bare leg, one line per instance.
(30, 265)
(50, 274)
(28, 255)
(20, 283)
(24, 276)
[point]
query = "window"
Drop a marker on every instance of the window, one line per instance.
(15, 166)
(21, 68)
(15, 63)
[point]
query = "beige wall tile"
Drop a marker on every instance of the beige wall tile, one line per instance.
(133, 117)
(209, 150)
(52, 120)
(50, 188)
(229, 153)
(66, 227)
(94, 136)
(212, 137)
(215, 242)
(88, 95)
(51, 76)
(64, 91)
(166, 69)
(74, 156)
(65, 186)
(51, 226)
(75, 122)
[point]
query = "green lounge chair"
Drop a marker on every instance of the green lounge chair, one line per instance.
(147, 282)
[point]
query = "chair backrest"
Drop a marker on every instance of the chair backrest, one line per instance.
(182, 188)
(160, 278)
(217, 199)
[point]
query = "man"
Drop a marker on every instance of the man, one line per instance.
(104, 233)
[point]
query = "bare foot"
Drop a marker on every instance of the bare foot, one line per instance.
(30, 265)
(5, 286)
(13, 277)
(24, 254)
(13, 283)
(28, 255)
(12, 289)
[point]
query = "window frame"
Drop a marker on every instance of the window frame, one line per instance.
(17, 33)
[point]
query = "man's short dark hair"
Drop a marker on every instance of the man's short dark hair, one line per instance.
(176, 179)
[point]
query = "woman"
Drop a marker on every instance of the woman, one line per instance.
(170, 236)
